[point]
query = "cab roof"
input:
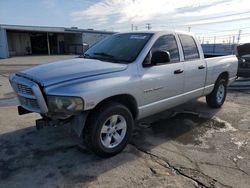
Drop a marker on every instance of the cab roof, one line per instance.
(160, 32)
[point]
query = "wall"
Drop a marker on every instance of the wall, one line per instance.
(60, 49)
(219, 49)
(73, 43)
(19, 43)
(92, 38)
(4, 52)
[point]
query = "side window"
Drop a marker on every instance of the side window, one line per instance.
(189, 47)
(167, 43)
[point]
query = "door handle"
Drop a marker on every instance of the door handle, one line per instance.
(201, 67)
(179, 71)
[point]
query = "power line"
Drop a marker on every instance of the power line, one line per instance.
(224, 36)
(220, 31)
(184, 25)
(209, 18)
(219, 21)
(230, 39)
(222, 16)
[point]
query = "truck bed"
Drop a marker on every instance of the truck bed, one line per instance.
(216, 65)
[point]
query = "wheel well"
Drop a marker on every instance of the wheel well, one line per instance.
(124, 99)
(224, 75)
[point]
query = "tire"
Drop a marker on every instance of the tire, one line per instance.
(217, 98)
(108, 129)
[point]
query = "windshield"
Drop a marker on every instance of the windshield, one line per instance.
(119, 48)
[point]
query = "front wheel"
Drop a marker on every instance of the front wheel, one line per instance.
(218, 95)
(108, 130)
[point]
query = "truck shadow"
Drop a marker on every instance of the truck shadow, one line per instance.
(50, 157)
(184, 124)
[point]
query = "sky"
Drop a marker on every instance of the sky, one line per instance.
(210, 20)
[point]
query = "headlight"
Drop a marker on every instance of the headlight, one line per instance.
(65, 104)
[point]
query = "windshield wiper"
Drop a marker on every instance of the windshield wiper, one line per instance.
(87, 56)
(108, 56)
(104, 54)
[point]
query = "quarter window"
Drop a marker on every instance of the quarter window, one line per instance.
(167, 43)
(189, 47)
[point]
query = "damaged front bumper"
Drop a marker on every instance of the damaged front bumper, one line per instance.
(77, 122)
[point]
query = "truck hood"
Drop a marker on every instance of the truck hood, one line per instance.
(61, 71)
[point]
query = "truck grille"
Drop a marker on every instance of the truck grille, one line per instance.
(24, 89)
(29, 94)
(29, 102)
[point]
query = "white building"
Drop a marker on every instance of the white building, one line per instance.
(17, 40)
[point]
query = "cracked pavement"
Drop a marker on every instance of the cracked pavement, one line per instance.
(191, 145)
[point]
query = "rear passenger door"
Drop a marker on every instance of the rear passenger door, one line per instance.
(194, 66)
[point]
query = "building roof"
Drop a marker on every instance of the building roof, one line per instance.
(89, 31)
(52, 29)
(160, 32)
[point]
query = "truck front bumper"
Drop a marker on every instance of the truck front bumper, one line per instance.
(77, 122)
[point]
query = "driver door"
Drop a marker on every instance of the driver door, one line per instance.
(162, 84)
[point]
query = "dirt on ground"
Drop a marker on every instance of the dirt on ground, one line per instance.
(191, 145)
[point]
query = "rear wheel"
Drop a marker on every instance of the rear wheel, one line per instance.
(217, 97)
(108, 129)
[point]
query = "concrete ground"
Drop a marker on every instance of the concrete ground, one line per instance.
(195, 147)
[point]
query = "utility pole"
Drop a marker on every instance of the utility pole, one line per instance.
(238, 39)
(148, 26)
(214, 45)
(134, 27)
(233, 39)
(48, 45)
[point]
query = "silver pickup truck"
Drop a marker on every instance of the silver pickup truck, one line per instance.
(123, 78)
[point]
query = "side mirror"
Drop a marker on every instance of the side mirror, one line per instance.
(160, 57)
